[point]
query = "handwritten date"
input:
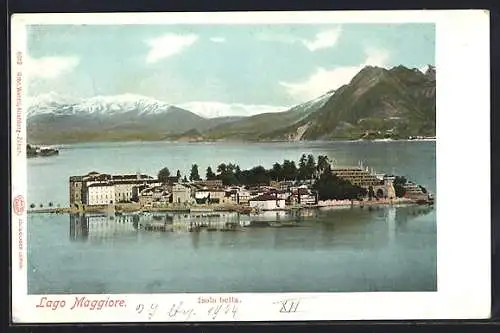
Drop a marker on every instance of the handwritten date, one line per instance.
(182, 312)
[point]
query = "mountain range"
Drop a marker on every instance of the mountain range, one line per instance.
(377, 103)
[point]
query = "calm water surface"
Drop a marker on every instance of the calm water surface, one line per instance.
(384, 249)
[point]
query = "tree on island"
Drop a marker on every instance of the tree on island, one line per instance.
(371, 193)
(194, 175)
(398, 184)
(322, 166)
(210, 175)
(276, 173)
(178, 175)
(222, 168)
(257, 175)
(228, 174)
(302, 172)
(163, 175)
(32, 206)
(290, 171)
(184, 180)
(310, 166)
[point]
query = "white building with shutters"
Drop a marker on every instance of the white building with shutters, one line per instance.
(101, 194)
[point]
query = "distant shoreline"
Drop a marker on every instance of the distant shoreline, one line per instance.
(243, 141)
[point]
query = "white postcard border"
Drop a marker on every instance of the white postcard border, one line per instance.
(463, 251)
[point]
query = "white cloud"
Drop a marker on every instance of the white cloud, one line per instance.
(218, 39)
(168, 45)
(51, 67)
(323, 80)
(212, 109)
(323, 39)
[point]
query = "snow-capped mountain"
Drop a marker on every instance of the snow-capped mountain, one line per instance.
(53, 103)
(53, 118)
(218, 109)
(313, 104)
(50, 103)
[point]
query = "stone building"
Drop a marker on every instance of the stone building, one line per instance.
(181, 194)
(76, 193)
(358, 176)
(123, 187)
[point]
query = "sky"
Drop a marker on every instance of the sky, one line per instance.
(253, 68)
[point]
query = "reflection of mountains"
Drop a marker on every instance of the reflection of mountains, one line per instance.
(347, 228)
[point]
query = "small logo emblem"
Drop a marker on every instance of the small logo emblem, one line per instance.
(19, 205)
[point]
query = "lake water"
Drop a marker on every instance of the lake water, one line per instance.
(383, 249)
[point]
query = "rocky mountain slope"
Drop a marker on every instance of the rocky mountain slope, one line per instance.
(255, 127)
(377, 103)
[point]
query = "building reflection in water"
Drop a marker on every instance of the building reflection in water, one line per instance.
(306, 229)
(78, 227)
(85, 227)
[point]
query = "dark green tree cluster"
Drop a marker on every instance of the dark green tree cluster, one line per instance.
(210, 175)
(231, 174)
(423, 189)
(255, 176)
(163, 175)
(228, 173)
(331, 187)
(194, 175)
(308, 168)
(398, 184)
(371, 193)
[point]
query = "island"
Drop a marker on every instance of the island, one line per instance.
(40, 151)
(310, 183)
